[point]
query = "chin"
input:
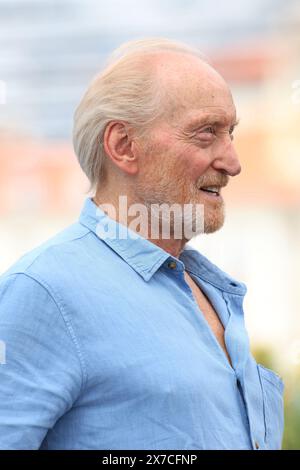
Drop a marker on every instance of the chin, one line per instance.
(214, 221)
(211, 228)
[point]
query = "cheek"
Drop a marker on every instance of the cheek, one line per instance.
(196, 163)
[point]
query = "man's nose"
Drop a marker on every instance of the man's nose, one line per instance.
(227, 159)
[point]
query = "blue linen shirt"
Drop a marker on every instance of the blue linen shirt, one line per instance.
(106, 348)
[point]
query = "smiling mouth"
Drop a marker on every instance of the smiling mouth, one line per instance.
(213, 190)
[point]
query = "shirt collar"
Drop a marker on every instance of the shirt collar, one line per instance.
(202, 267)
(146, 258)
(141, 254)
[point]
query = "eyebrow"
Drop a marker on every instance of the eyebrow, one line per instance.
(212, 119)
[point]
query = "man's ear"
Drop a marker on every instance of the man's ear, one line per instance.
(117, 141)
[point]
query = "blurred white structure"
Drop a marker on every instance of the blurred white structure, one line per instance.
(50, 49)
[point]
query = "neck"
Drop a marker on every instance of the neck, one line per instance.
(117, 208)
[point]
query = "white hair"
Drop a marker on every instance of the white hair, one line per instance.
(125, 90)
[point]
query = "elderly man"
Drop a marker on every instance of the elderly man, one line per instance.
(119, 335)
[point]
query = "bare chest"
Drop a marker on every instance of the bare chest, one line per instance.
(209, 313)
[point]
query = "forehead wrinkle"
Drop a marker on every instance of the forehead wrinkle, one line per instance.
(188, 83)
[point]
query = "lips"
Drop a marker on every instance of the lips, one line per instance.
(212, 186)
(211, 189)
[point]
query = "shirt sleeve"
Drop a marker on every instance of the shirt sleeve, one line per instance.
(40, 368)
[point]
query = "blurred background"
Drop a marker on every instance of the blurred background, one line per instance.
(51, 49)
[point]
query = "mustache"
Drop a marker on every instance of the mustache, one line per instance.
(210, 180)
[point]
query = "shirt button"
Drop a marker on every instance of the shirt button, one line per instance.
(256, 445)
(172, 265)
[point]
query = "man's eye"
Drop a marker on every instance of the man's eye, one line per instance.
(209, 130)
(231, 132)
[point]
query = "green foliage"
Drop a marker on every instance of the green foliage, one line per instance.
(291, 438)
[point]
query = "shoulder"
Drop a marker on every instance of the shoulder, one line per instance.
(46, 260)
